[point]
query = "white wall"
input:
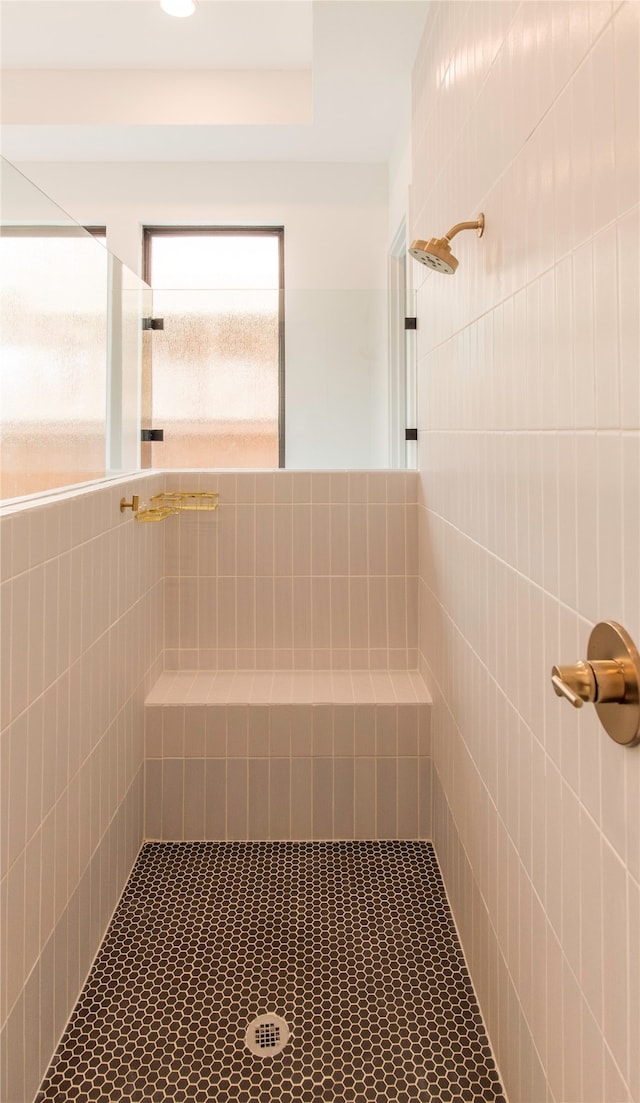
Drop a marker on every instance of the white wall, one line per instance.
(193, 97)
(529, 450)
(400, 177)
(335, 219)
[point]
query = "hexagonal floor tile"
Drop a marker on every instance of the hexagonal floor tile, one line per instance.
(351, 943)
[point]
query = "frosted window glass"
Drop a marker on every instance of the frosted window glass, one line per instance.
(53, 382)
(215, 387)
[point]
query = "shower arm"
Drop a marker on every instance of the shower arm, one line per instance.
(477, 225)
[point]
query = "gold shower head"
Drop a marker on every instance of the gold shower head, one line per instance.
(436, 252)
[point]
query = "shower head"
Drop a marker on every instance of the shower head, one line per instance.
(436, 252)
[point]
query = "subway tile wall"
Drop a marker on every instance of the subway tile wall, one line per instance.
(529, 448)
(93, 605)
(295, 605)
(81, 608)
(296, 570)
(323, 771)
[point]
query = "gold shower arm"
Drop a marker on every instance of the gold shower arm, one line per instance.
(477, 225)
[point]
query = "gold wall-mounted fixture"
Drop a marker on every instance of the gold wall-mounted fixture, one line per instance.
(436, 252)
(132, 505)
(187, 500)
(609, 679)
(153, 514)
(170, 502)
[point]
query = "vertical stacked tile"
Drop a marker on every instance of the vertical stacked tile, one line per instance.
(290, 626)
(529, 445)
(81, 609)
(296, 570)
(291, 755)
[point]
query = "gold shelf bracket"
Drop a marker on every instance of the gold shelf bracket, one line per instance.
(170, 502)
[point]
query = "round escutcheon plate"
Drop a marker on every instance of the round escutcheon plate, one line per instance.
(621, 720)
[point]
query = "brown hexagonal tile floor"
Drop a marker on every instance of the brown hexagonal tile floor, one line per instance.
(352, 944)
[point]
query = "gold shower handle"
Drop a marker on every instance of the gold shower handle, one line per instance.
(576, 683)
(599, 680)
(609, 679)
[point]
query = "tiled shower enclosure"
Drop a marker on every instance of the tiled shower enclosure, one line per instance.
(339, 751)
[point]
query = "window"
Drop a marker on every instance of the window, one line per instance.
(217, 366)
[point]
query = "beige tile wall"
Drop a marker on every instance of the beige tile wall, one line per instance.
(330, 771)
(294, 571)
(529, 446)
(301, 570)
(81, 609)
(300, 590)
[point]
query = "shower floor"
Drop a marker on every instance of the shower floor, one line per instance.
(351, 943)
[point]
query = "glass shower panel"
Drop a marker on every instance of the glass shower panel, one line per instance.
(215, 378)
(411, 380)
(216, 381)
(130, 302)
(72, 340)
(53, 387)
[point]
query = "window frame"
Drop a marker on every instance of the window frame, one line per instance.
(149, 232)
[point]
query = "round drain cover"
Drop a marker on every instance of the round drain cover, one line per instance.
(267, 1035)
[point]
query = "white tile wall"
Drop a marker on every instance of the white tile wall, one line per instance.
(529, 450)
(81, 644)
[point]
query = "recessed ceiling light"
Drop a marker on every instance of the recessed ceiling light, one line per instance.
(179, 8)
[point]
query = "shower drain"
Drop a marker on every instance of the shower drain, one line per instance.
(267, 1035)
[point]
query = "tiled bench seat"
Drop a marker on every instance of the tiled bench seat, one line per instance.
(290, 687)
(288, 754)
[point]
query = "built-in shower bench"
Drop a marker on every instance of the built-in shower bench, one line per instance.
(289, 687)
(288, 754)
(275, 713)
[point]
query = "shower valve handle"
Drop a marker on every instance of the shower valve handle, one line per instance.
(609, 679)
(598, 680)
(577, 683)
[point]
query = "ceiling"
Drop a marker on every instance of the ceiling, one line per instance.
(136, 34)
(356, 56)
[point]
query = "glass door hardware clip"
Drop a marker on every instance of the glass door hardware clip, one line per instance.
(153, 323)
(149, 435)
(411, 323)
(170, 502)
(411, 434)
